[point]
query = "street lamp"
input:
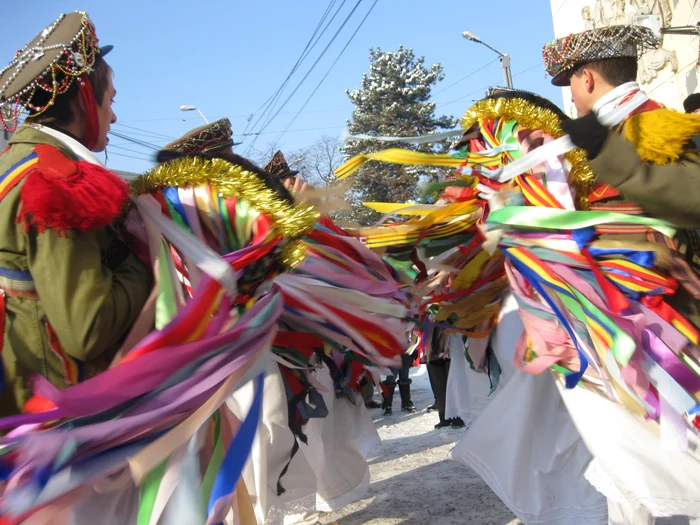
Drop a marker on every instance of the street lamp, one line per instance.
(505, 58)
(194, 108)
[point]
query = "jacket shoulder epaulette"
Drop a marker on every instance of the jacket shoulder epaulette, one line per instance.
(64, 194)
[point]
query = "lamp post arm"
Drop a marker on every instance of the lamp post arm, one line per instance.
(491, 48)
(202, 114)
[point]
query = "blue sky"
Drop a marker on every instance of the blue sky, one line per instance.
(228, 57)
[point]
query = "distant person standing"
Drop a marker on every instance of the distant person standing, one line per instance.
(692, 103)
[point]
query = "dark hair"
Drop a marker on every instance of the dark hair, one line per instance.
(692, 103)
(62, 109)
(615, 71)
(269, 179)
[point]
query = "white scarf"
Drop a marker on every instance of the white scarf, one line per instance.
(611, 100)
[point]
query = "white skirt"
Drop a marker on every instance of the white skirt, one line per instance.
(525, 446)
(630, 465)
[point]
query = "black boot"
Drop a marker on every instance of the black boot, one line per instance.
(387, 399)
(457, 423)
(406, 403)
(444, 423)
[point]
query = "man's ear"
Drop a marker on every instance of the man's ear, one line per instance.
(590, 80)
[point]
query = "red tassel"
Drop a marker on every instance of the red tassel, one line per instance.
(67, 195)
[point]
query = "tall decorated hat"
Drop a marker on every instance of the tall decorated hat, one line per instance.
(278, 167)
(48, 66)
(563, 55)
(209, 138)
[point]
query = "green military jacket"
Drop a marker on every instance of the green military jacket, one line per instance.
(670, 192)
(71, 297)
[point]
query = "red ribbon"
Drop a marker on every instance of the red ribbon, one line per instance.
(92, 121)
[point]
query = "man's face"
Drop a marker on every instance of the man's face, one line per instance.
(105, 114)
(696, 112)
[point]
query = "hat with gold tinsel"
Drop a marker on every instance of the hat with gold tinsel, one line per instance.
(210, 138)
(563, 55)
(58, 56)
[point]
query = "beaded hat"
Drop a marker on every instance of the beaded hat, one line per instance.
(204, 139)
(278, 166)
(620, 41)
(50, 63)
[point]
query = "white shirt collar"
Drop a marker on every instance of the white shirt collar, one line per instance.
(75, 146)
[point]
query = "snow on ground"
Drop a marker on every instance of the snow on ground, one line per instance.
(413, 482)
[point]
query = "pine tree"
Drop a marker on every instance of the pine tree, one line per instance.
(394, 100)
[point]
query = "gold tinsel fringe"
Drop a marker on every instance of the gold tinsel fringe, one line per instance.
(230, 180)
(531, 116)
(661, 136)
(294, 254)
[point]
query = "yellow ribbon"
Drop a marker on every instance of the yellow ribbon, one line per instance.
(397, 156)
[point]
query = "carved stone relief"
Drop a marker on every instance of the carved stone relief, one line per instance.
(610, 12)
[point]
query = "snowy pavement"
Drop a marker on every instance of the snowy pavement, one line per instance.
(413, 482)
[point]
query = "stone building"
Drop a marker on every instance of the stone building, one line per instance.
(668, 74)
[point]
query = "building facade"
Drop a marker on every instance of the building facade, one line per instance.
(668, 74)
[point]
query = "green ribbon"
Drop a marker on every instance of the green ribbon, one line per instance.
(242, 212)
(217, 457)
(149, 493)
(548, 218)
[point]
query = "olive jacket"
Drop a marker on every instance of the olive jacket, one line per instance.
(670, 192)
(70, 296)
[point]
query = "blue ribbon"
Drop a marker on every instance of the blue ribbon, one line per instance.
(238, 450)
(573, 378)
(173, 197)
(645, 259)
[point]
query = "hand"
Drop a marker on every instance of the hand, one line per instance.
(295, 184)
(587, 133)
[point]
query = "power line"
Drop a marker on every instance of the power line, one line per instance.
(269, 103)
(290, 131)
(462, 97)
(327, 72)
(469, 75)
(135, 141)
(539, 64)
(278, 93)
(269, 121)
(145, 130)
(130, 156)
(165, 119)
(485, 88)
(125, 149)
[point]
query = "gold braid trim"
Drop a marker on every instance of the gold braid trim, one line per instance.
(230, 180)
(531, 116)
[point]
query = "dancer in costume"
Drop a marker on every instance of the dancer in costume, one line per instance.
(463, 281)
(646, 459)
(537, 466)
(282, 483)
(70, 288)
